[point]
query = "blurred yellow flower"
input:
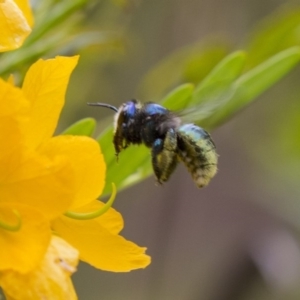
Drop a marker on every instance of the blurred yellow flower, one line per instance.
(42, 176)
(50, 280)
(16, 21)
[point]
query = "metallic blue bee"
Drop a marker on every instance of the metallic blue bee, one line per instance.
(170, 142)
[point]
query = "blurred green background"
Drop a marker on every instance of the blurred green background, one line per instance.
(237, 239)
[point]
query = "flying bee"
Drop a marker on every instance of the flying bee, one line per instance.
(170, 141)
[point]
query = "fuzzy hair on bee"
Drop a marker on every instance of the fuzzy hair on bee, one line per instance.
(170, 141)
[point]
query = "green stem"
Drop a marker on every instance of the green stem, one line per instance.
(97, 213)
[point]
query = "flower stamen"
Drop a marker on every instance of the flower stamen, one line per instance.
(97, 213)
(14, 227)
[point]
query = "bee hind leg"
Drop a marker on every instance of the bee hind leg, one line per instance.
(164, 156)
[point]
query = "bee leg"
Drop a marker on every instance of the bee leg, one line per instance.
(164, 156)
(119, 145)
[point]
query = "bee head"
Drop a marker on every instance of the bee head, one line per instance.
(126, 119)
(126, 113)
(128, 109)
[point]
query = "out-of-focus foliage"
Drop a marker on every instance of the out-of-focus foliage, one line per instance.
(279, 31)
(243, 90)
(56, 30)
(277, 140)
(190, 64)
(282, 145)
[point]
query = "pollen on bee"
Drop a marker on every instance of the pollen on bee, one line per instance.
(183, 153)
(200, 180)
(202, 176)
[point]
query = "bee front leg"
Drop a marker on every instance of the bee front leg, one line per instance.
(164, 156)
(119, 144)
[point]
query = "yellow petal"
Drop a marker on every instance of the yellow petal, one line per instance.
(50, 280)
(12, 100)
(11, 154)
(24, 5)
(111, 220)
(100, 248)
(22, 250)
(45, 86)
(13, 24)
(43, 183)
(87, 162)
(13, 109)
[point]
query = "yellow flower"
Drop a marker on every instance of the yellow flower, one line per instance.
(34, 187)
(50, 280)
(97, 240)
(15, 22)
(42, 176)
(37, 186)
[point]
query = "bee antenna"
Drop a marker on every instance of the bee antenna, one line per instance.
(103, 105)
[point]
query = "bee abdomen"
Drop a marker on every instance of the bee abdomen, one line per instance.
(201, 173)
(197, 151)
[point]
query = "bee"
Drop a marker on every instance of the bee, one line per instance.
(170, 141)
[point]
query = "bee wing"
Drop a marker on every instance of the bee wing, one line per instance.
(210, 111)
